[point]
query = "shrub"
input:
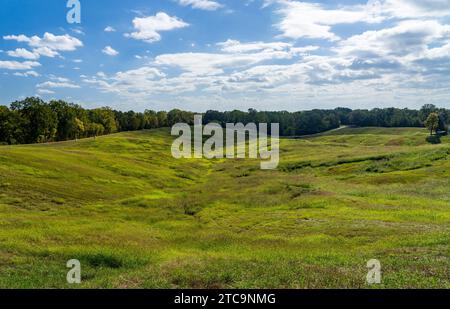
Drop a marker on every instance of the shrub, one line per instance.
(434, 139)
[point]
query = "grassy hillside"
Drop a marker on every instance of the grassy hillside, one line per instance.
(135, 217)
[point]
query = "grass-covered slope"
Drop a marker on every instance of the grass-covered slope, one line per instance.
(136, 217)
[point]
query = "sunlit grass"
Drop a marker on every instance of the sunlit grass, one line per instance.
(135, 217)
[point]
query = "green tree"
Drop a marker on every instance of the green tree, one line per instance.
(6, 126)
(150, 120)
(432, 122)
(79, 128)
(426, 110)
(94, 129)
(39, 120)
(162, 119)
(66, 114)
(106, 117)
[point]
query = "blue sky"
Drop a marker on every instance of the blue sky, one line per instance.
(223, 54)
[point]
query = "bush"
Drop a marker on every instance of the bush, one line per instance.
(434, 139)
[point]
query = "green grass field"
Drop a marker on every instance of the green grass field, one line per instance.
(137, 218)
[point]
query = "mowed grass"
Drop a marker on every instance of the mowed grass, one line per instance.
(137, 218)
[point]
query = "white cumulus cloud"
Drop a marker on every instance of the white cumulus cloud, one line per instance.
(49, 45)
(23, 53)
(315, 20)
(16, 65)
(45, 91)
(27, 74)
(301, 19)
(110, 29)
(148, 28)
(207, 5)
(52, 84)
(108, 50)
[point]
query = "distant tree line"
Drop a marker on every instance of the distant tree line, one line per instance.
(35, 121)
(392, 117)
(316, 121)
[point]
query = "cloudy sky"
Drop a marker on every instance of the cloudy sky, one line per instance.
(228, 54)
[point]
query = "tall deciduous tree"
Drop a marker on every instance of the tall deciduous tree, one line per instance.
(39, 120)
(432, 122)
